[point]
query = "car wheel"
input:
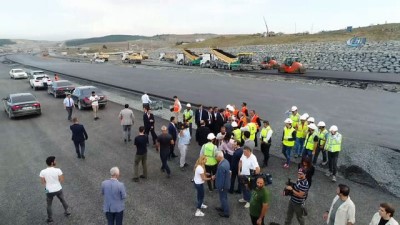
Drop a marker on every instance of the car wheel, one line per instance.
(55, 94)
(40, 112)
(35, 88)
(80, 107)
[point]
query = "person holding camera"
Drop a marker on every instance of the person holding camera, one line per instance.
(248, 165)
(298, 194)
(259, 203)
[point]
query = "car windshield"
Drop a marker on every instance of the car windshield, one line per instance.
(23, 98)
(62, 84)
(87, 92)
(18, 71)
(39, 77)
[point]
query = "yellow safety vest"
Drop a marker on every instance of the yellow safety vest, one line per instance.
(322, 137)
(295, 119)
(301, 130)
(334, 144)
(237, 135)
(187, 114)
(309, 143)
(287, 133)
(210, 154)
(253, 130)
(264, 133)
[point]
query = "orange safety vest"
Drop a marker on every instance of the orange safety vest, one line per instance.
(243, 120)
(227, 114)
(236, 113)
(254, 120)
(176, 106)
(244, 110)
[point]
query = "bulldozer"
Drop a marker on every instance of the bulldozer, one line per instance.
(292, 65)
(268, 63)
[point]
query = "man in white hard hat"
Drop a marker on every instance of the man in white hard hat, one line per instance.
(333, 145)
(310, 120)
(322, 134)
(288, 139)
(310, 144)
(301, 132)
(295, 116)
(209, 149)
(188, 117)
(237, 133)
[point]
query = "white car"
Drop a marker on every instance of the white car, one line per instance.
(40, 81)
(35, 72)
(18, 73)
(99, 60)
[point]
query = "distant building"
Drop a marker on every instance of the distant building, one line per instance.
(200, 39)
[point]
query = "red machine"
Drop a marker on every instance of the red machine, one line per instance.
(269, 63)
(292, 65)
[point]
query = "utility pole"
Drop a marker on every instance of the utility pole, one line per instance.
(266, 26)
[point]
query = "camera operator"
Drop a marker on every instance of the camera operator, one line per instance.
(298, 194)
(248, 165)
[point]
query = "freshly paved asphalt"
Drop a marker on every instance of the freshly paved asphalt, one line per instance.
(26, 142)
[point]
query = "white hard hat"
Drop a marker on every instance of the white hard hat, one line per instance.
(246, 128)
(312, 126)
(306, 115)
(294, 108)
(333, 128)
(321, 124)
(220, 136)
(288, 120)
(210, 136)
(303, 117)
(228, 106)
(311, 119)
(188, 105)
(234, 124)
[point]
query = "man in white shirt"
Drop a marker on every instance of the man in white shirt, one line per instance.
(69, 105)
(95, 104)
(126, 117)
(146, 101)
(343, 210)
(384, 215)
(248, 164)
(52, 177)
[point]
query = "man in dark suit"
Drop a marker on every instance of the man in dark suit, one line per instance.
(199, 115)
(148, 120)
(218, 120)
(201, 133)
(174, 133)
(223, 183)
(79, 136)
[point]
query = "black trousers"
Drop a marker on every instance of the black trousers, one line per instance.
(171, 149)
(265, 150)
(164, 158)
(233, 179)
(332, 161)
(212, 170)
(148, 130)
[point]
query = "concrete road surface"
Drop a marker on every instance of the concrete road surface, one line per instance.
(26, 142)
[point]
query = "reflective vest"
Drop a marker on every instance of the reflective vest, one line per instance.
(253, 130)
(187, 114)
(264, 133)
(176, 106)
(243, 120)
(309, 143)
(254, 119)
(295, 119)
(322, 137)
(236, 113)
(287, 133)
(210, 154)
(301, 130)
(237, 135)
(334, 142)
(227, 114)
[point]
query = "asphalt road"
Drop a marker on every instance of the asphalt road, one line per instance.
(26, 142)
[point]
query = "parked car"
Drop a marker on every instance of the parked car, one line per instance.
(81, 97)
(34, 72)
(21, 104)
(18, 73)
(40, 81)
(60, 88)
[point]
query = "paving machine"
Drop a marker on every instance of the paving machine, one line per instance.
(225, 60)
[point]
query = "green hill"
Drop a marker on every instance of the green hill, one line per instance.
(6, 42)
(105, 39)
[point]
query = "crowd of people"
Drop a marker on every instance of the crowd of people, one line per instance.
(226, 138)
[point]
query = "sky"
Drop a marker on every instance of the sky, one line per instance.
(58, 20)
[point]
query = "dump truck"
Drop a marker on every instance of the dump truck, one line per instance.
(101, 55)
(134, 57)
(292, 65)
(188, 57)
(225, 60)
(167, 57)
(144, 55)
(268, 63)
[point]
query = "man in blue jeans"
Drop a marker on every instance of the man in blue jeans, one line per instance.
(288, 138)
(248, 164)
(114, 198)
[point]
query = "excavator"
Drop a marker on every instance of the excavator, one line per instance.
(269, 63)
(292, 65)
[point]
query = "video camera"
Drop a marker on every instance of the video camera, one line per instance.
(252, 179)
(287, 192)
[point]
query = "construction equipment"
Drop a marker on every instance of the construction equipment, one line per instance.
(269, 63)
(167, 57)
(101, 55)
(292, 65)
(206, 59)
(224, 60)
(188, 57)
(134, 57)
(144, 55)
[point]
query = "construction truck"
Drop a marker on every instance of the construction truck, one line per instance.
(227, 61)
(101, 55)
(188, 57)
(144, 55)
(134, 57)
(269, 63)
(167, 57)
(292, 65)
(206, 59)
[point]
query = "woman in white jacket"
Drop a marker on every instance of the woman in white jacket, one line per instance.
(384, 216)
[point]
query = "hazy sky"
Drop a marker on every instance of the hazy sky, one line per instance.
(68, 19)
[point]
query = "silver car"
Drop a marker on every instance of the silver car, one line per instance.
(21, 104)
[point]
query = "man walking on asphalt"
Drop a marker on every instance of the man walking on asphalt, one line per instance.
(188, 117)
(164, 142)
(141, 155)
(248, 165)
(148, 120)
(69, 105)
(79, 136)
(223, 182)
(259, 203)
(127, 119)
(95, 104)
(298, 197)
(343, 210)
(265, 137)
(333, 145)
(114, 194)
(51, 178)
(174, 134)
(183, 142)
(384, 215)
(146, 101)
(177, 108)
(199, 115)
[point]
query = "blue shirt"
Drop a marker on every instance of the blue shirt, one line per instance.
(185, 139)
(114, 195)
